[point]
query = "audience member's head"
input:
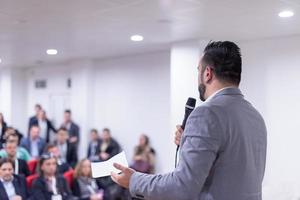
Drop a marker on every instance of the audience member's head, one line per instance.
(6, 169)
(143, 140)
(11, 135)
(62, 135)
(106, 136)
(83, 168)
(94, 135)
(1, 118)
(11, 149)
(53, 149)
(37, 108)
(34, 132)
(42, 115)
(67, 116)
(48, 165)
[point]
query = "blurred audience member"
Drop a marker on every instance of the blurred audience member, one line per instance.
(71, 127)
(45, 125)
(33, 119)
(20, 166)
(12, 187)
(68, 150)
(108, 146)
(86, 188)
(3, 127)
(143, 159)
(49, 185)
(62, 167)
(34, 144)
(11, 135)
(94, 148)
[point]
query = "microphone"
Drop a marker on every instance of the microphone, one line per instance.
(189, 107)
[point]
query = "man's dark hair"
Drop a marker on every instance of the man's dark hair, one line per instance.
(48, 147)
(6, 160)
(68, 111)
(94, 131)
(106, 130)
(224, 57)
(38, 106)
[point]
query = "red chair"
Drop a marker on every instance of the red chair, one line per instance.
(32, 164)
(69, 177)
(30, 179)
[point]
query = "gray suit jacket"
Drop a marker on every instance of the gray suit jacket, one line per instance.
(222, 156)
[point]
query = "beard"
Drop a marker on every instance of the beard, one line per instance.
(202, 89)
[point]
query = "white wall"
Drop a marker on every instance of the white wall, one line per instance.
(5, 94)
(271, 82)
(132, 97)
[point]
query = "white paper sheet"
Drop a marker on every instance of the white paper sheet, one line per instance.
(101, 169)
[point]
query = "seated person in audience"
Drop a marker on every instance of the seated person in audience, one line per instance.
(68, 150)
(94, 148)
(62, 167)
(12, 136)
(34, 144)
(8, 131)
(12, 187)
(20, 166)
(144, 156)
(49, 185)
(44, 124)
(108, 146)
(86, 188)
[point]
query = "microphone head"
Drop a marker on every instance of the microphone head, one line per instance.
(191, 103)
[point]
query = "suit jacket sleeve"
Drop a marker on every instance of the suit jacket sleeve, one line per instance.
(38, 190)
(200, 145)
(51, 127)
(72, 157)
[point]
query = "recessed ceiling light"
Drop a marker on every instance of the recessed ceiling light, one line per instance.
(0, 60)
(286, 13)
(51, 51)
(137, 38)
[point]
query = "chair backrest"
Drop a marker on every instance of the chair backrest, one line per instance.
(32, 164)
(30, 179)
(69, 177)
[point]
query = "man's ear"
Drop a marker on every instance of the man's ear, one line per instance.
(208, 74)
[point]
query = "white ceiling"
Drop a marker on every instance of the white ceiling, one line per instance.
(102, 28)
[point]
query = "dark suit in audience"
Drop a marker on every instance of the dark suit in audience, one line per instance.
(19, 185)
(2, 132)
(112, 149)
(40, 190)
(23, 169)
(73, 129)
(49, 128)
(27, 142)
(71, 154)
(94, 150)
